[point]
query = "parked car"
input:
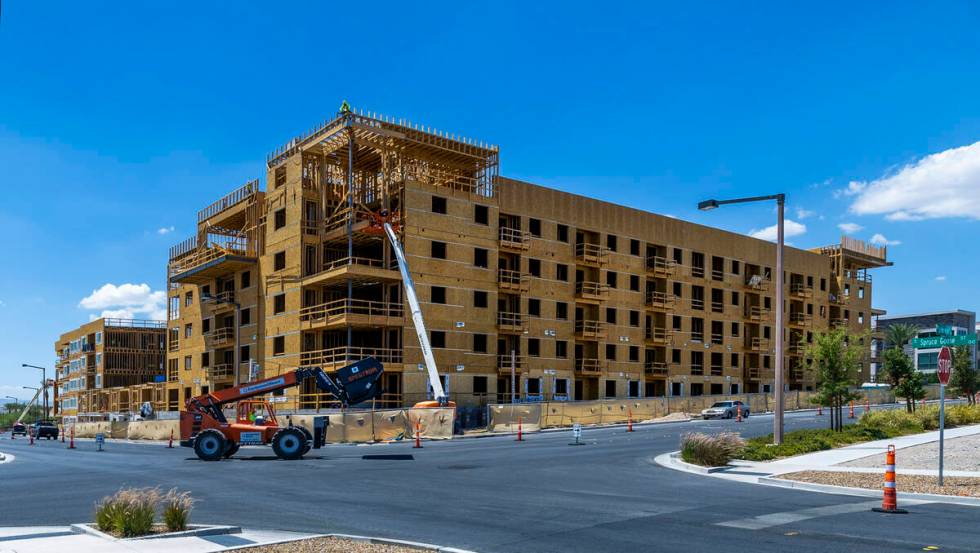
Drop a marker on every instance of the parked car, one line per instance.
(19, 428)
(725, 410)
(44, 429)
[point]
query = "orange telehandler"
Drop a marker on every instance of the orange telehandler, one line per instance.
(204, 427)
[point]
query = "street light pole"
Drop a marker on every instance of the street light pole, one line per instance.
(44, 386)
(707, 205)
(777, 426)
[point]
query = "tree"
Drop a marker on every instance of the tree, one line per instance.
(834, 355)
(898, 335)
(965, 378)
(901, 373)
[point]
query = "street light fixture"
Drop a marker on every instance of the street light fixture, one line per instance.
(16, 404)
(708, 205)
(238, 314)
(44, 385)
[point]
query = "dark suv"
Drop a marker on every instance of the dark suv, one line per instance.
(44, 429)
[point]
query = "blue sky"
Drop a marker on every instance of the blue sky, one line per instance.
(119, 121)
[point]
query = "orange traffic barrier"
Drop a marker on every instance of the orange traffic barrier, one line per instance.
(170, 444)
(629, 420)
(851, 416)
(418, 435)
(71, 444)
(520, 429)
(889, 500)
(31, 434)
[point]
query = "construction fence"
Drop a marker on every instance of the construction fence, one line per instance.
(345, 427)
(557, 414)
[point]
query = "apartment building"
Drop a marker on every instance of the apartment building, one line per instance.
(109, 365)
(524, 288)
(958, 322)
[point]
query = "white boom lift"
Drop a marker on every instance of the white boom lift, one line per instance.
(31, 402)
(441, 399)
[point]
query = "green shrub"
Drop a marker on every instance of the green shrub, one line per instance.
(106, 514)
(711, 451)
(876, 425)
(129, 512)
(894, 422)
(176, 510)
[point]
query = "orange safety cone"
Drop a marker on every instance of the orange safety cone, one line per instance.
(170, 444)
(851, 416)
(889, 499)
(819, 410)
(62, 432)
(738, 418)
(418, 435)
(31, 434)
(71, 444)
(520, 429)
(629, 420)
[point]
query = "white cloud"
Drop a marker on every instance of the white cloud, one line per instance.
(127, 301)
(853, 188)
(804, 213)
(880, 240)
(941, 278)
(165, 230)
(791, 228)
(849, 228)
(945, 184)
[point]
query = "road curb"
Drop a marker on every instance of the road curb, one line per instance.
(366, 539)
(201, 530)
(672, 460)
(864, 492)
(6, 458)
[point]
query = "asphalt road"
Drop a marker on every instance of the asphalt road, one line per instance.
(488, 494)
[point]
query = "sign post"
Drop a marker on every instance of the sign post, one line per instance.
(944, 370)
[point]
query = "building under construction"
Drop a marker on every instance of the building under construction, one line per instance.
(525, 290)
(109, 365)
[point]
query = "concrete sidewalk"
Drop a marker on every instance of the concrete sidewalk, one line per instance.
(58, 539)
(754, 472)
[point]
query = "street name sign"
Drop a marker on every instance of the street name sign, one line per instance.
(928, 342)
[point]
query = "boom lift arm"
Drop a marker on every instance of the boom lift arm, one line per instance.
(354, 384)
(441, 399)
(31, 402)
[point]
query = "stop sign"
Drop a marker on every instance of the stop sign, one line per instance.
(945, 365)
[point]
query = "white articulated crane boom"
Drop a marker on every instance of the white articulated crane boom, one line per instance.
(29, 403)
(439, 394)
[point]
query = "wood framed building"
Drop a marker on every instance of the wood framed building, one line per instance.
(109, 365)
(594, 299)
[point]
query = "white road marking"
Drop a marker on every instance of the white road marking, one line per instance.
(788, 517)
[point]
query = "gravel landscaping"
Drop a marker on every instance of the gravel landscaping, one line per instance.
(330, 545)
(954, 485)
(959, 454)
